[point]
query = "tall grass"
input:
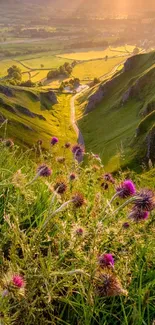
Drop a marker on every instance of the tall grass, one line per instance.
(60, 267)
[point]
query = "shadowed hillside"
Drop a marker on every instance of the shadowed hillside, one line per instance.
(119, 115)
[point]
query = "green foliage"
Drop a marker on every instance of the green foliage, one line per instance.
(65, 70)
(14, 73)
(59, 266)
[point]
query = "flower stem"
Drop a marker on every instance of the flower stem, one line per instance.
(132, 199)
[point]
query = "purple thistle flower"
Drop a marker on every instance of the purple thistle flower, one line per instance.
(126, 189)
(78, 152)
(54, 140)
(44, 171)
(78, 200)
(18, 281)
(126, 225)
(60, 187)
(145, 200)
(138, 215)
(106, 260)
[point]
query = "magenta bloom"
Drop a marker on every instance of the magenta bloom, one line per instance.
(138, 215)
(79, 231)
(106, 260)
(44, 171)
(54, 140)
(18, 281)
(145, 200)
(126, 189)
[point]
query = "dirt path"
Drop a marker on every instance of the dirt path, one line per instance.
(73, 118)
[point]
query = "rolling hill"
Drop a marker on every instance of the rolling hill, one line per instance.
(117, 117)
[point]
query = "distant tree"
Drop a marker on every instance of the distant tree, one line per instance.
(42, 65)
(14, 73)
(106, 58)
(136, 51)
(96, 81)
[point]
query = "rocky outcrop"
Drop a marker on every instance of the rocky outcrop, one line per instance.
(150, 142)
(130, 63)
(150, 107)
(47, 99)
(6, 91)
(27, 112)
(97, 97)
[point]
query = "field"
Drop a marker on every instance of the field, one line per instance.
(95, 68)
(97, 54)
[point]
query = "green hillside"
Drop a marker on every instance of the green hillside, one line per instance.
(34, 114)
(117, 118)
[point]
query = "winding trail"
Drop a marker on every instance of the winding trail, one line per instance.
(73, 118)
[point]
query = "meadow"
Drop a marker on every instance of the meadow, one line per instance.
(96, 68)
(90, 54)
(69, 255)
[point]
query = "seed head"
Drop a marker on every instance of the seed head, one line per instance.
(108, 177)
(126, 189)
(72, 177)
(78, 200)
(105, 186)
(108, 285)
(60, 187)
(145, 200)
(8, 143)
(44, 171)
(126, 225)
(67, 145)
(40, 142)
(61, 160)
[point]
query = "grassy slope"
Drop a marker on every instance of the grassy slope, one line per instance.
(57, 119)
(110, 129)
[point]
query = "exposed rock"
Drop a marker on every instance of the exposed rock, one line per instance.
(130, 93)
(130, 63)
(149, 108)
(150, 141)
(6, 91)
(27, 112)
(97, 97)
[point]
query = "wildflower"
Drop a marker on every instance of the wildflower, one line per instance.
(8, 143)
(96, 156)
(78, 151)
(67, 145)
(60, 187)
(61, 160)
(126, 189)
(105, 186)
(44, 171)
(78, 200)
(138, 215)
(106, 260)
(108, 177)
(5, 293)
(145, 200)
(79, 231)
(18, 281)
(72, 176)
(108, 285)
(54, 140)
(126, 225)
(40, 142)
